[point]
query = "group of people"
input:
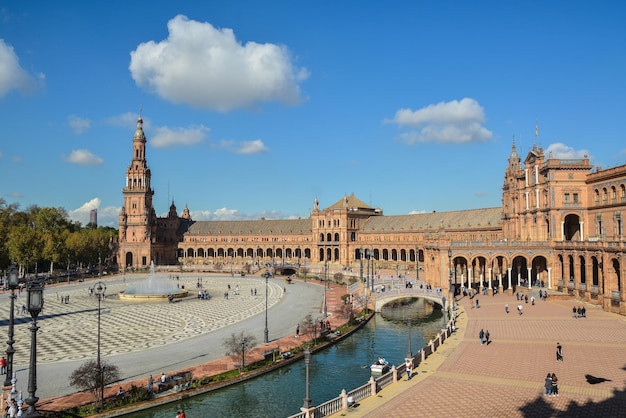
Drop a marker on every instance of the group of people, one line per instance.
(579, 312)
(484, 336)
(552, 385)
(203, 294)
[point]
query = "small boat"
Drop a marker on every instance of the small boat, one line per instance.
(380, 366)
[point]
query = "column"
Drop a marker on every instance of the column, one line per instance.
(537, 198)
(530, 270)
(489, 278)
(582, 231)
(549, 277)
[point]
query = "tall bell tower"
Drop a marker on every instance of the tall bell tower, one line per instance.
(137, 216)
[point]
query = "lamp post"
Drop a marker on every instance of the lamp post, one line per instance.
(417, 265)
(373, 270)
(13, 284)
(266, 333)
(361, 264)
(100, 291)
(450, 291)
(307, 362)
(325, 280)
(35, 305)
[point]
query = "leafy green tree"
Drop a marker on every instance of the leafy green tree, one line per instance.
(7, 213)
(25, 246)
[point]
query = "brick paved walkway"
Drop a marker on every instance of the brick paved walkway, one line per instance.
(505, 378)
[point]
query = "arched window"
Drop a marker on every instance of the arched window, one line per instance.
(336, 236)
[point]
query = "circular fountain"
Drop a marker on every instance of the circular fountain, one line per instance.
(154, 288)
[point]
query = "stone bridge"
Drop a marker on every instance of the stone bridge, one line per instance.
(394, 290)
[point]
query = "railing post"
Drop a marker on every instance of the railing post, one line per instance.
(344, 399)
(394, 373)
(372, 383)
(423, 354)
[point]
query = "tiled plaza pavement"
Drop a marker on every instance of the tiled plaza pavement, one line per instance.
(506, 377)
(334, 308)
(134, 326)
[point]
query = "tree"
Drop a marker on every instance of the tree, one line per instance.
(89, 377)
(309, 327)
(237, 345)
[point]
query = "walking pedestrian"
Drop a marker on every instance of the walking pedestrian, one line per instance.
(519, 309)
(481, 335)
(559, 352)
(3, 365)
(487, 337)
(506, 308)
(409, 368)
(298, 331)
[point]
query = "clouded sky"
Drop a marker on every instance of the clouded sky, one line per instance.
(254, 109)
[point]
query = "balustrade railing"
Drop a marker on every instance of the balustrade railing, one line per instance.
(372, 387)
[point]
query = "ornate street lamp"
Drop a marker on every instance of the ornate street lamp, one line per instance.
(35, 305)
(451, 295)
(417, 265)
(307, 363)
(361, 264)
(373, 269)
(325, 280)
(13, 283)
(100, 292)
(266, 333)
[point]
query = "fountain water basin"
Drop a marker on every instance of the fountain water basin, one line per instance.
(154, 288)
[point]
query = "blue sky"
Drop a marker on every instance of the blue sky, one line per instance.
(254, 109)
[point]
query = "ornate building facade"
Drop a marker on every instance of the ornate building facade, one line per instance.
(560, 226)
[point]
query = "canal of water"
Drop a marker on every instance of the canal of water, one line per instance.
(342, 366)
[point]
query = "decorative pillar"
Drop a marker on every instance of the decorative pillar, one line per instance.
(549, 277)
(530, 279)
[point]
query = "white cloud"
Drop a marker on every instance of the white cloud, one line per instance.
(245, 147)
(225, 214)
(206, 67)
(252, 147)
(447, 122)
(108, 216)
(83, 157)
(166, 137)
(78, 125)
(13, 76)
(559, 150)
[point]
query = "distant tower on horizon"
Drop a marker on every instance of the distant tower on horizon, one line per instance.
(93, 217)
